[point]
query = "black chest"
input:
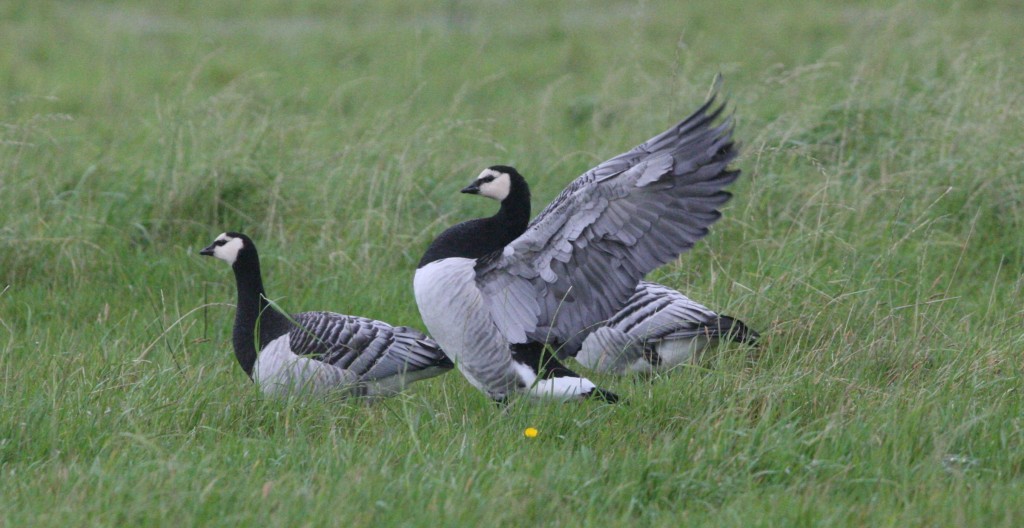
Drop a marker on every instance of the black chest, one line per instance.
(473, 240)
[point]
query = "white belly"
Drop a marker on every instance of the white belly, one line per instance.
(455, 315)
(675, 352)
(280, 372)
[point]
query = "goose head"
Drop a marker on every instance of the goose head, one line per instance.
(228, 246)
(496, 182)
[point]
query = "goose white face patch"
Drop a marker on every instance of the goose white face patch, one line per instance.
(494, 184)
(227, 248)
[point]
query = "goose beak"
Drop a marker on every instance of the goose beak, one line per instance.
(207, 251)
(473, 188)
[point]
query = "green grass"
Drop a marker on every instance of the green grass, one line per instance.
(874, 239)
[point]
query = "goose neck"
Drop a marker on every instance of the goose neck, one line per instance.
(253, 313)
(515, 210)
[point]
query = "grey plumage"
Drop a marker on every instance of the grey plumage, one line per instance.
(658, 329)
(582, 257)
(372, 350)
(317, 351)
(578, 262)
(454, 312)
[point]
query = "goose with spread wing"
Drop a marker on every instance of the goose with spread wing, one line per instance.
(576, 264)
(317, 352)
(658, 329)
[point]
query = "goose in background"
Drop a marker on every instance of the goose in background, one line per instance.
(658, 329)
(576, 264)
(317, 352)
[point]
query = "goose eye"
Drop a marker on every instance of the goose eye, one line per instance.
(220, 242)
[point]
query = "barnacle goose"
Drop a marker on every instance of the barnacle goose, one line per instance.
(315, 352)
(658, 328)
(576, 264)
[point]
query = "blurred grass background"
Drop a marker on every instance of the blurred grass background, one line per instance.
(874, 240)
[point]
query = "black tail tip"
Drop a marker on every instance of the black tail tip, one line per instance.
(603, 395)
(738, 331)
(444, 362)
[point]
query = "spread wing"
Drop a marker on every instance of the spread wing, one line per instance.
(580, 260)
(371, 349)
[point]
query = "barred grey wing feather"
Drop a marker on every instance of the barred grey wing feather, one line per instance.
(337, 339)
(369, 348)
(581, 259)
(656, 312)
(616, 165)
(610, 350)
(411, 350)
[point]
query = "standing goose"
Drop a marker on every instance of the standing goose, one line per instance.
(658, 328)
(317, 352)
(576, 264)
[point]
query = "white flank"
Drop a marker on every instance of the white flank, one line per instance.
(394, 384)
(453, 309)
(455, 315)
(675, 352)
(438, 289)
(280, 372)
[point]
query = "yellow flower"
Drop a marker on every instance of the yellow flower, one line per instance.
(530, 432)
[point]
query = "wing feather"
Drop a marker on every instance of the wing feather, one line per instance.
(371, 349)
(580, 260)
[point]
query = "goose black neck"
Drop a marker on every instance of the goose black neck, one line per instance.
(514, 213)
(478, 238)
(253, 312)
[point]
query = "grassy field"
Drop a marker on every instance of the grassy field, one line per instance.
(874, 240)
